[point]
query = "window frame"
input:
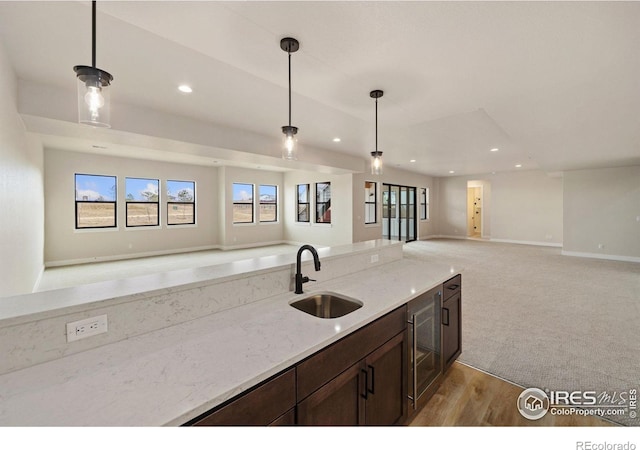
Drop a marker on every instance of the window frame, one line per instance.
(424, 203)
(170, 203)
(308, 203)
(114, 202)
(368, 202)
(253, 201)
(136, 202)
(274, 203)
(318, 203)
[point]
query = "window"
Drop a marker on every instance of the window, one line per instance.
(268, 203)
(370, 202)
(323, 202)
(242, 203)
(95, 201)
(302, 203)
(181, 202)
(143, 206)
(424, 203)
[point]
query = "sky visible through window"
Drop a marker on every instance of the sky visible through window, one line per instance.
(242, 192)
(141, 189)
(174, 188)
(95, 188)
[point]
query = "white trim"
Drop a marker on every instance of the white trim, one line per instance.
(36, 285)
(143, 227)
(601, 256)
(251, 245)
(96, 229)
(539, 243)
(372, 225)
(69, 262)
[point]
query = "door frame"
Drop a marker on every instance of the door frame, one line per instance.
(386, 187)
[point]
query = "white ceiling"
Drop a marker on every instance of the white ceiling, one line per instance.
(553, 85)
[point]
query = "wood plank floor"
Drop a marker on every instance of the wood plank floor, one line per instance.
(470, 397)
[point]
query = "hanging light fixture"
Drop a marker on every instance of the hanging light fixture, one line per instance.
(93, 88)
(376, 157)
(290, 142)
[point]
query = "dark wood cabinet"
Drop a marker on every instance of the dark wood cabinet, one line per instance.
(358, 380)
(452, 321)
(386, 383)
(370, 392)
(339, 402)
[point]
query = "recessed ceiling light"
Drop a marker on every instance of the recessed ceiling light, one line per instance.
(452, 171)
(184, 88)
(412, 160)
(336, 139)
(518, 165)
(494, 149)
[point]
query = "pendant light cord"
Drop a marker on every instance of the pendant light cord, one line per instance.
(376, 125)
(93, 35)
(289, 88)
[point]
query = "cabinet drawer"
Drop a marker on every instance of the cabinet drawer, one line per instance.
(261, 406)
(452, 287)
(328, 363)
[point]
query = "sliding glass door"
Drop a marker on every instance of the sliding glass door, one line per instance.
(399, 212)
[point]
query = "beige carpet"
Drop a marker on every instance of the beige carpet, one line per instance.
(540, 319)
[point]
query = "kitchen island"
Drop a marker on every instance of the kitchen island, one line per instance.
(174, 374)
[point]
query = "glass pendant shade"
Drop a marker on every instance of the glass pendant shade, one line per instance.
(289, 143)
(376, 163)
(93, 96)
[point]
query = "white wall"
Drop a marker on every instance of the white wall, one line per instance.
(340, 230)
(602, 207)
(362, 232)
(65, 244)
(524, 207)
(243, 235)
(21, 193)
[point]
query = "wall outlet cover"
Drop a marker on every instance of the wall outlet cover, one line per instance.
(81, 329)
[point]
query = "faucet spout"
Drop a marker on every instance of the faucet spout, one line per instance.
(300, 279)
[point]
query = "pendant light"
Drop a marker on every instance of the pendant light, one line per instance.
(290, 142)
(376, 157)
(93, 88)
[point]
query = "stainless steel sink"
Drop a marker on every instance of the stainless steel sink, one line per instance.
(327, 305)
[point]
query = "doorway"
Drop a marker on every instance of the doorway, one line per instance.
(399, 220)
(474, 212)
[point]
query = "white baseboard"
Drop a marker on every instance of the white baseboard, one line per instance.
(252, 245)
(70, 262)
(539, 243)
(601, 256)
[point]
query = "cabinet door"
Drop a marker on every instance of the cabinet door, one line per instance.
(451, 329)
(339, 402)
(386, 383)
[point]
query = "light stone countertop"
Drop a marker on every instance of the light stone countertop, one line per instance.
(172, 375)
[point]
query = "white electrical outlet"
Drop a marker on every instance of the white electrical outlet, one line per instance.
(374, 258)
(86, 327)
